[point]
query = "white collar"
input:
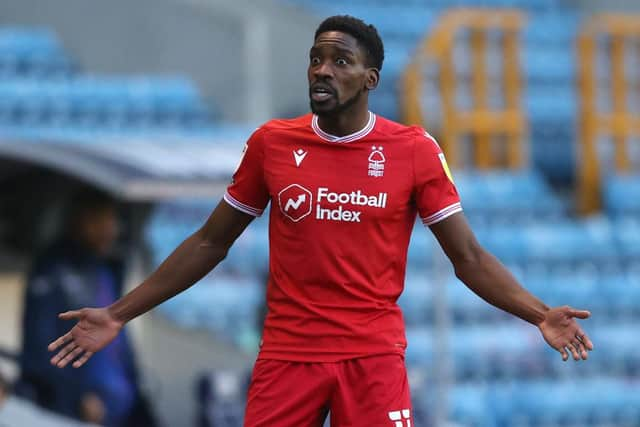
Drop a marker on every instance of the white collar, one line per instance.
(347, 138)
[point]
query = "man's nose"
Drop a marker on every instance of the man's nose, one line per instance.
(323, 70)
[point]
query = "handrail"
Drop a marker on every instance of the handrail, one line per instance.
(620, 123)
(481, 122)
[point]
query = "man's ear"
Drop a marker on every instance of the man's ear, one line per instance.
(373, 77)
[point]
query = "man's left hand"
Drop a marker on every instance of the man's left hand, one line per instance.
(561, 331)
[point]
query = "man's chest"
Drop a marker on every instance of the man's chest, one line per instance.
(339, 182)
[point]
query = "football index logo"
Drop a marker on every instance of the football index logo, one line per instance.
(295, 202)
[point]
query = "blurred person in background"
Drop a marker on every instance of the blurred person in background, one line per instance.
(345, 186)
(4, 390)
(78, 270)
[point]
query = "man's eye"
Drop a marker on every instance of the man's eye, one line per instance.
(315, 60)
(341, 61)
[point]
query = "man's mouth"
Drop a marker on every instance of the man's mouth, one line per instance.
(321, 92)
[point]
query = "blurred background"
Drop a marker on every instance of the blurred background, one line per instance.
(535, 102)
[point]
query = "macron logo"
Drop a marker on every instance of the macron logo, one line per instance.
(299, 156)
(296, 204)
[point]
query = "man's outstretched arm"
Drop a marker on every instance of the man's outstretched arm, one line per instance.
(490, 280)
(188, 263)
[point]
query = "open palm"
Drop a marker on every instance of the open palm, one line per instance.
(95, 329)
(561, 331)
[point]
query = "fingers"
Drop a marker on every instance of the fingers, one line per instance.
(69, 357)
(78, 363)
(563, 352)
(577, 350)
(584, 339)
(579, 347)
(581, 350)
(56, 360)
(573, 348)
(60, 341)
(68, 315)
(580, 314)
(68, 354)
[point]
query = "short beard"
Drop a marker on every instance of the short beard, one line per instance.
(339, 107)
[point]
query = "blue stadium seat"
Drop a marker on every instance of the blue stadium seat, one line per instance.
(557, 28)
(621, 194)
(416, 299)
(503, 193)
(98, 104)
(627, 236)
(544, 64)
(228, 306)
(34, 53)
(468, 406)
(420, 345)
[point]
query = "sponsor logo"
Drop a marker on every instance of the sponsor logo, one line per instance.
(376, 162)
(400, 417)
(354, 198)
(295, 202)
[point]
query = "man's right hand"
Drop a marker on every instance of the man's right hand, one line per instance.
(95, 329)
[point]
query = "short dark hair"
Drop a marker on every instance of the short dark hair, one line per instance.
(366, 35)
(88, 201)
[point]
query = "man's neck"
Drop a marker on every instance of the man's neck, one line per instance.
(345, 122)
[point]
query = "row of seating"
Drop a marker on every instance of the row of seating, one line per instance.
(561, 245)
(101, 103)
(34, 53)
(594, 402)
(43, 96)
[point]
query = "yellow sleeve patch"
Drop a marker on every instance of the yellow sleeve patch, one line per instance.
(445, 166)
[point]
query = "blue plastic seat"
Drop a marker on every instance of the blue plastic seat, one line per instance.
(621, 193)
(416, 299)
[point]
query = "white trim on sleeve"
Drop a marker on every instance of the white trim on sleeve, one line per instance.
(442, 214)
(241, 206)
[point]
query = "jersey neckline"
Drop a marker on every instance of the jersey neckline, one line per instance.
(347, 138)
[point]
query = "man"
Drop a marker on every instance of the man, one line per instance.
(4, 390)
(345, 187)
(77, 270)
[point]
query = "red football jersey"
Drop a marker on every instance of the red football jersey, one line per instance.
(342, 211)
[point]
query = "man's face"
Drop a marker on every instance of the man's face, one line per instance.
(338, 73)
(99, 230)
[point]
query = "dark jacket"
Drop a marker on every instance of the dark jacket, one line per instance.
(66, 277)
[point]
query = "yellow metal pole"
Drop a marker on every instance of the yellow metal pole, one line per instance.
(619, 86)
(589, 179)
(450, 113)
(512, 84)
(483, 155)
(411, 112)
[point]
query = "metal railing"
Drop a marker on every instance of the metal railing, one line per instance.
(617, 32)
(481, 122)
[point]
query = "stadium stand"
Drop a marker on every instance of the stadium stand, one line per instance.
(504, 375)
(44, 95)
(502, 372)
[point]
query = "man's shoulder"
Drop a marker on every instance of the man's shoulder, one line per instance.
(423, 140)
(287, 124)
(393, 128)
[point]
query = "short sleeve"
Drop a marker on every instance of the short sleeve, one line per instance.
(248, 190)
(435, 192)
